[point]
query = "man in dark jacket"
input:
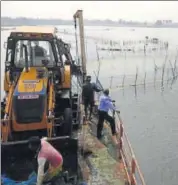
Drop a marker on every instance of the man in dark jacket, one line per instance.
(88, 95)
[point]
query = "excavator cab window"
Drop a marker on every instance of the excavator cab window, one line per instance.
(38, 52)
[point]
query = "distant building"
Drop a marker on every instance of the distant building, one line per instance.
(163, 22)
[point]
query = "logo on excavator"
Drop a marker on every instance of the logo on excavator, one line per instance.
(30, 86)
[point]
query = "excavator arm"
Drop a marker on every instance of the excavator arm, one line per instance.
(79, 15)
(64, 49)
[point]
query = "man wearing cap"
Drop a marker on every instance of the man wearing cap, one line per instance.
(88, 95)
(105, 103)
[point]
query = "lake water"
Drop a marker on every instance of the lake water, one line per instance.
(149, 112)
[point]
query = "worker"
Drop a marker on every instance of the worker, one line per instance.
(46, 154)
(39, 51)
(105, 103)
(88, 95)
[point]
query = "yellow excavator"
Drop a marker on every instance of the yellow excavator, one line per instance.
(37, 84)
(39, 98)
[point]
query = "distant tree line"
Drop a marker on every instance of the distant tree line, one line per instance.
(8, 21)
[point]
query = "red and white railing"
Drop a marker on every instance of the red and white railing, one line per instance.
(134, 174)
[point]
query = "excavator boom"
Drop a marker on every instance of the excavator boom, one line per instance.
(79, 15)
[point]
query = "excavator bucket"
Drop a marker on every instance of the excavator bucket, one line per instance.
(18, 162)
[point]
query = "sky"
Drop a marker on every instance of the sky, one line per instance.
(114, 10)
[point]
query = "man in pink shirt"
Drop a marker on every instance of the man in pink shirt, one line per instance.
(46, 153)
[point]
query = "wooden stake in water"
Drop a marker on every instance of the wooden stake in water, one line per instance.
(136, 76)
(155, 73)
(145, 83)
(163, 70)
(123, 81)
(111, 82)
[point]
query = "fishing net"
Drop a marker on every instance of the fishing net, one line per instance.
(98, 84)
(32, 179)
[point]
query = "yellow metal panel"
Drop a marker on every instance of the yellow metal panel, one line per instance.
(6, 81)
(67, 77)
(50, 97)
(36, 29)
(24, 86)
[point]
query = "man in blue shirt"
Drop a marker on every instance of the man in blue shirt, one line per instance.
(105, 103)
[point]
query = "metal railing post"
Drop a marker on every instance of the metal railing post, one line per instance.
(120, 140)
(133, 167)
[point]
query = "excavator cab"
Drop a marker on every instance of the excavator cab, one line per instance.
(39, 99)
